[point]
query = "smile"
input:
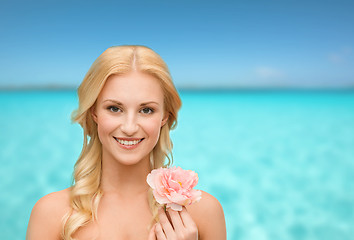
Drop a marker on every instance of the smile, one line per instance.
(128, 143)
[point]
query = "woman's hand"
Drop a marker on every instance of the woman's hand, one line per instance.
(178, 226)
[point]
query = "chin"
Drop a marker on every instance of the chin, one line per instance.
(131, 161)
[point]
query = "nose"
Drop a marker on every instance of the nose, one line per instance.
(129, 126)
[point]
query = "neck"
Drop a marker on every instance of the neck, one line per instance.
(124, 180)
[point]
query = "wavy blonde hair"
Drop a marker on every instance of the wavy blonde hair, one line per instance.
(85, 192)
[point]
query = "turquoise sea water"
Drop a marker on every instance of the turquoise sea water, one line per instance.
(280, 163)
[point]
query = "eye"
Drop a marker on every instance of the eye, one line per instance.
(114, 109)
(147, 110)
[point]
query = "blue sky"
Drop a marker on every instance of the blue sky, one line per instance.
(205, 43)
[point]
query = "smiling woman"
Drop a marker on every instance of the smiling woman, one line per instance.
(127, 106)
(132, 120)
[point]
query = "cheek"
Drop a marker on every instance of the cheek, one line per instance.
(105, 125)
(153, 128)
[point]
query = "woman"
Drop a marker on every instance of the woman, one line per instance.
(127, 106)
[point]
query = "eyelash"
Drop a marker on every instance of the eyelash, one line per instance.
(110, 108)
(116, 109)
(150, 110)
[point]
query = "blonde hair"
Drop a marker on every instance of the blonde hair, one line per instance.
(85, 192)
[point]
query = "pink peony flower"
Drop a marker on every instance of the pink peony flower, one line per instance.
(174, 187)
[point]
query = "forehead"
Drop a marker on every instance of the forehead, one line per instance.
(132, 87)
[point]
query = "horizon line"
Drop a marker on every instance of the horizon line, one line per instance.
(192, 88)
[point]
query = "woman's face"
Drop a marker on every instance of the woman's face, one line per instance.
(129, 113)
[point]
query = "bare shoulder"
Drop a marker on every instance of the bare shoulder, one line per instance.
(209, 216)
(46, 216)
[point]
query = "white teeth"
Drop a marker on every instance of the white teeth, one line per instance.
(128, 143)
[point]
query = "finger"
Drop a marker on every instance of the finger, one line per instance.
(165, 224)
(152, 235)
(160, 235)
(168, 216)
(177, 223)
(187, 219)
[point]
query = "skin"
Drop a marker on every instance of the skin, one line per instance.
(129, 106)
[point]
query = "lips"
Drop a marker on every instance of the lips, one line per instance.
(128, 142)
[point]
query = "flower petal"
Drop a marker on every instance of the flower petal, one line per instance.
(174, 206)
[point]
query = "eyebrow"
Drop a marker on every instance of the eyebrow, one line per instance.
(119, 103)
